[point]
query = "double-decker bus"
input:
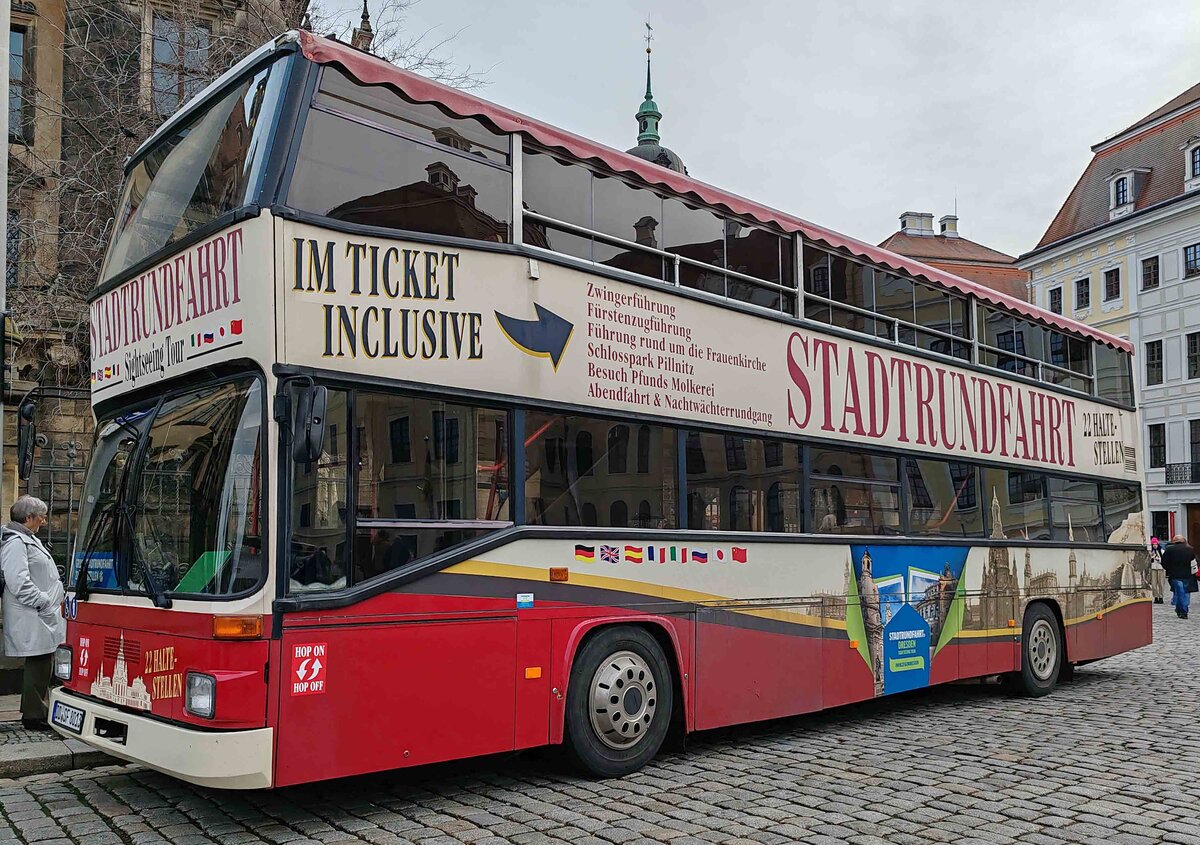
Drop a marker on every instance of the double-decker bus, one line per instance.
(427, 430)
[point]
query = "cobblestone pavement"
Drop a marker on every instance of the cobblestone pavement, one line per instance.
(965, 764)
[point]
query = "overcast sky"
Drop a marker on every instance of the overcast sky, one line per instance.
(846, 113)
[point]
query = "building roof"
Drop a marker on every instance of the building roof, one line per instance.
(941, 248)
(1148, 145)
(1188, 97)
(371, 70)
(1010, 280)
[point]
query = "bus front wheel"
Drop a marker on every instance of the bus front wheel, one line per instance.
(619, 702)
(1042, 652)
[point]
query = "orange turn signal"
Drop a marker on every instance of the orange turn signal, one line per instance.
(854, 644)
(237, 627)
(558, 573)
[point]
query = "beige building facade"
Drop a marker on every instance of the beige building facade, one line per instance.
(1123, 254)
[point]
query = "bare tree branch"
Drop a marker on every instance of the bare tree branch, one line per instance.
(111, 101)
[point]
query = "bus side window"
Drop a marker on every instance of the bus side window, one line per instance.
(319, 491)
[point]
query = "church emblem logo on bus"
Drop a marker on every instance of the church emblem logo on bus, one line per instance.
(308, 668)
(545, 337)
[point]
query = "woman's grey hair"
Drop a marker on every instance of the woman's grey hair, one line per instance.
(27, 506)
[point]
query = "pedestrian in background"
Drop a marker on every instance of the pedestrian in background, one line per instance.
(32, 605)
(1179, 561)
(1158, 575)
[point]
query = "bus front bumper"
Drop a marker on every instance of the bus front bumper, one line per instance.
(224, 760)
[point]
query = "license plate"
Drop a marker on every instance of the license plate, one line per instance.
(68, 717)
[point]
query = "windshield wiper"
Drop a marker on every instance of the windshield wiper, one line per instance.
(157, 594)
(82, 590)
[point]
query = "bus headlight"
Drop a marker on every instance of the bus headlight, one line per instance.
(201, 695)
(64, 660)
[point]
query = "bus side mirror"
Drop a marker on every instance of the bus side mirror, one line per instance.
(26, 438)
(308, 429)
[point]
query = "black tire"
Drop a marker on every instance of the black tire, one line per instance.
(627, 664)
(1042, 652)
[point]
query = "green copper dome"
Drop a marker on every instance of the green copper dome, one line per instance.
(649, 146)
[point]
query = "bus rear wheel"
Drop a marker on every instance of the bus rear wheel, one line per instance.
(619, 702)
(1042, 652)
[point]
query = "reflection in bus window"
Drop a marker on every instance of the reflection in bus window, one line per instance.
(854, 493)
(1016, 504)
(319, 489)
(453, 470)
(563, 486)
(943, 499)
(1074, 510)
(1121, 501)
(198, 525)
(747, 489)
(363, 174)
(382, 105)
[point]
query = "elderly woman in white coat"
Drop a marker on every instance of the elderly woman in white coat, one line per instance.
(32, 605)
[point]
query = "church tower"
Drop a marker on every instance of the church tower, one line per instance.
(649, 142)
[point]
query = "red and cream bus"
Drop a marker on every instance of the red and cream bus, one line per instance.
(427, 430)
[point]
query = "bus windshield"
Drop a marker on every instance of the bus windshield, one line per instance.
(195, 496)
(208, 166)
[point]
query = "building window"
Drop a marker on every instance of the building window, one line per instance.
(1112, 284)
(1191, 260)
(1154, 362)
(1056, 300)
(618, 449)
(445, 437)
(19, 124)
(12, 253)
(179, 59)
(1083, 293)
(1196, 161)
(1158, 445)
(1194, 443)
(583, 492)
(1193, 355)
(1160, 525)
(1121, 192)
(399, 440)
(735, 452)
(643, 451)
(1150, 273)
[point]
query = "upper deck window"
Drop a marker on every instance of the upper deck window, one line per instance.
(203, 169)
(424, 121)
(847, 293)
(370, 157)
(631, 227)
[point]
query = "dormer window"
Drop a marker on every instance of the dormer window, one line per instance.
(1191, 169)
(1123, 189)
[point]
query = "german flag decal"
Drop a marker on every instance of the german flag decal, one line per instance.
(587, 554)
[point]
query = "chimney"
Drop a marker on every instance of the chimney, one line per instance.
(949, 226)
(644, 232)
(918, 223)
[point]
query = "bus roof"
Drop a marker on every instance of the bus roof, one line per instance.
(372, 70)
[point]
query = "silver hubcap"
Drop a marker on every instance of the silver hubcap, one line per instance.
(624, 698)
(1042, 649)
